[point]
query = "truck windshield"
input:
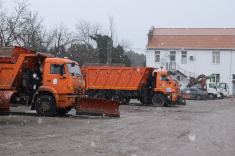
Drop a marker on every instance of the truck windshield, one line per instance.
(174, 78)
(74, 70)
(222, 85)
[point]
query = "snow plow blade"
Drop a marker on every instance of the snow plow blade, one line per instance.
(97, 107)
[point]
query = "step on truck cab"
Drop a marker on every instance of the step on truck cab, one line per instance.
(125, 83)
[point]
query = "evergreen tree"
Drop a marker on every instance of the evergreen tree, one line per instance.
(103, 45)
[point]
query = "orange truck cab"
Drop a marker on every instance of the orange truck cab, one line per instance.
(49, 85)
(62, 79)
(124, 83)
(167, 87)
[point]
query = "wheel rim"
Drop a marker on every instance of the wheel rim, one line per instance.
(198, 97)
(115, 98)
(45, 106)
(158, 101)
(100, 95)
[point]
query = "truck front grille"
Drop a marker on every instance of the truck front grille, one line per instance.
(78, 91)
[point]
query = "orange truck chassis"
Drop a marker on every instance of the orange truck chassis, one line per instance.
(124, 83)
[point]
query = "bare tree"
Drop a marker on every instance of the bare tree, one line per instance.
(85, 29)
(9, 25)
(62, 38)
(32, 34)
(126, 44)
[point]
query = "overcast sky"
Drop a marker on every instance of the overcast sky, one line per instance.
(134, 18)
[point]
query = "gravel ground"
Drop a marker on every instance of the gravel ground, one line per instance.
(204, 127)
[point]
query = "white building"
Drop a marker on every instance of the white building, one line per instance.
(192, 52)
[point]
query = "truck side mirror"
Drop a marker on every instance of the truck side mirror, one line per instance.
(61, 69)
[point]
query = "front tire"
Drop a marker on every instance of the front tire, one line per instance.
(198, 97)
(221, 95)
(211, 96)
(45, 105)
(158, 100)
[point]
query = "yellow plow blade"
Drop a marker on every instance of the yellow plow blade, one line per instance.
(91, 106)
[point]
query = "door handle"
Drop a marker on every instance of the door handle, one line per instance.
(48, 80)
(63, 78)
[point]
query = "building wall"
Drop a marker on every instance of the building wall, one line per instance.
(202, 64)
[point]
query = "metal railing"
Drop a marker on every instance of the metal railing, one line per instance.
(175, 66)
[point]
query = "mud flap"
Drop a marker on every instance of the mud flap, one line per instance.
(100, 107)
(5, 97)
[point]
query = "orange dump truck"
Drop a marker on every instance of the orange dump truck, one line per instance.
(124, 83)
(51, 86)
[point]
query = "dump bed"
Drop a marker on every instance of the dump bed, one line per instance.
(120, 78)
(13, 60)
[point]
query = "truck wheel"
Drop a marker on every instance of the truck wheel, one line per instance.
(211, 96)
(127, 100)
(158, 100)
(115, 97)
(198, 97)
(45, 105)
(118, 97)
(221, 95)
(99, 95)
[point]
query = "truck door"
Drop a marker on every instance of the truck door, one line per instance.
(211, 88)
(224, 88)
(56, 79)
(166, 83)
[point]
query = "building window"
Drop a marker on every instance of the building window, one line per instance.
(217, 77)
(157, 56)
(234, 76)
(172, 56)
(184, 57)
(216, 57)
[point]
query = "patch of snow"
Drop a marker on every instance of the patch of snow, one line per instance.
(92, 144)
(40, 121)
(191, 137)
(35, 75)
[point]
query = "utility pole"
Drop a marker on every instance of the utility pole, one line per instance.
(109, 51)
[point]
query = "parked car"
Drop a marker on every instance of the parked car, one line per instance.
(194, 94)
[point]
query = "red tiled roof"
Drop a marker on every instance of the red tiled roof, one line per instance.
(191, 38)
